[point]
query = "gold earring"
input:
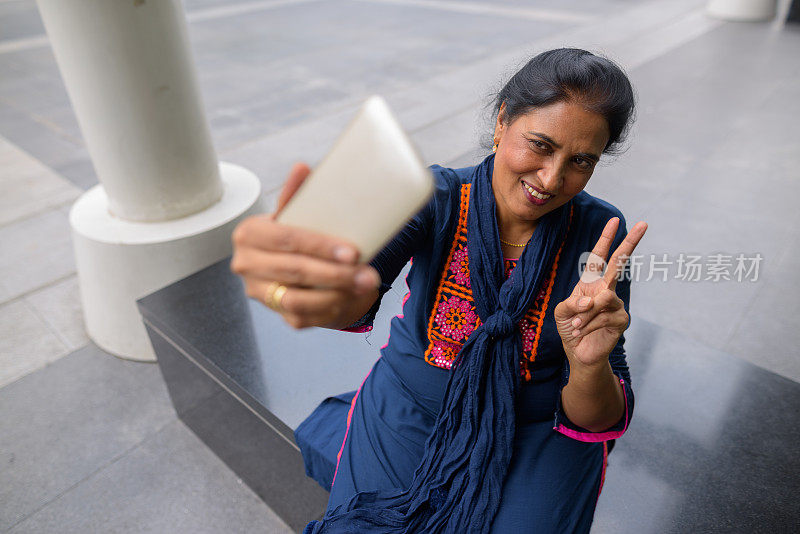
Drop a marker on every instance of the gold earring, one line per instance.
(494, 148)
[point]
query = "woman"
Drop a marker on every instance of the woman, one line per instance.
(492, 404)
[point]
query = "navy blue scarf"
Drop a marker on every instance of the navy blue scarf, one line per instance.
(458, 485)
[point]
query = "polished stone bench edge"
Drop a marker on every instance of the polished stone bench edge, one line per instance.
(217, 374)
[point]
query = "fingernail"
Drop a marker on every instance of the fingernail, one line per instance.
(365, 280)
(583, 302)
(576, 322)
(576, 333)
(345, 254)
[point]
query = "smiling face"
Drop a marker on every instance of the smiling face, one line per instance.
(544, 158)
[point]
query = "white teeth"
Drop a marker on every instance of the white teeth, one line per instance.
(535, 193)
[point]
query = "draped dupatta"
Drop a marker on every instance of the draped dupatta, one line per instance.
(458, 484)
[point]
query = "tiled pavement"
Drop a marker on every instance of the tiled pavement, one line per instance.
(89, 443)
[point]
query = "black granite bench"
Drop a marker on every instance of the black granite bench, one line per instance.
(712, 447)
(243, 380)
(793, 15)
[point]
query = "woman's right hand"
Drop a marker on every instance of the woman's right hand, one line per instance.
(326, 286)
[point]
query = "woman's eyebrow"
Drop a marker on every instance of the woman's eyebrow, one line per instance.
(586, 155)
(546, 138)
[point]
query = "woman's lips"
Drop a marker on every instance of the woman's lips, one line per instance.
(530, 194)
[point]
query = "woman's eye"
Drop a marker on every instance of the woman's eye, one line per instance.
(583, 164)
(539, 144)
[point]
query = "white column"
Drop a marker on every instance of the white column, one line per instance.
(164, 207)
(132, 84)
(742, 10)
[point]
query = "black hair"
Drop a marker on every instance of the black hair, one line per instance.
(572, 75)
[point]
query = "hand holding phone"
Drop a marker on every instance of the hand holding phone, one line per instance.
(322, 282)
(323, 279)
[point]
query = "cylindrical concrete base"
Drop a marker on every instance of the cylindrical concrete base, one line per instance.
(119, 261)
(743, 10)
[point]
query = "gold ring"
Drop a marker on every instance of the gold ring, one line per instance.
(274, 295)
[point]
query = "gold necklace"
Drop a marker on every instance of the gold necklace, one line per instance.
(511, 244)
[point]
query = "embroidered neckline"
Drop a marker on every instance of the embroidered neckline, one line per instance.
(454, 317)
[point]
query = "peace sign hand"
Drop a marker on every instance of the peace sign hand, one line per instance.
(593, 318)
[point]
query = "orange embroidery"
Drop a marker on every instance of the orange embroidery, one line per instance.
(454, 316)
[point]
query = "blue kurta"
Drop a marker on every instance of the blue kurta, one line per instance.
(374, 438)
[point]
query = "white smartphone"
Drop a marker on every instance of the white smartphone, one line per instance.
(367, 187)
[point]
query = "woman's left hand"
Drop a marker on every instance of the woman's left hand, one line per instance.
(593, 318)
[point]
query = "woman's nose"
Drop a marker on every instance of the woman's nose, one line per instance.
(551, 175)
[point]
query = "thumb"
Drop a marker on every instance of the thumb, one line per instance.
(572, 306)
(297, 176)
(564, 314)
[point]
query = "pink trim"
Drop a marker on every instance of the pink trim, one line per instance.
(603, 472)
(403, 305)
(347, 429)
(594, 437)
(358, 329)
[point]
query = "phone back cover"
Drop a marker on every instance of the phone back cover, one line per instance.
(367, 187)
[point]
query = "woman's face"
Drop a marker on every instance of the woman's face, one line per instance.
(544, 158)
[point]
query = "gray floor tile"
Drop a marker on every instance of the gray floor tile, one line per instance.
(169, 483)
(59, 305)
(27, 187)
(27, 342)
(767, 334)
(448, 138)
(742, 191)
(683, 222)
(769, 342)
(639, 179)
(781, 100)
(271, 157)
(709, 448)
(78, 170)
(511, 9)
(64, 422)
(467, 159)
(34, 252)
(419, 106)
(705, 310)
(678, 134)
(45, 144)
(21, 19)
(764, 143)
(281, 79)
(260, 74)
(789, 262)
(248, 71)
(633, 199)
